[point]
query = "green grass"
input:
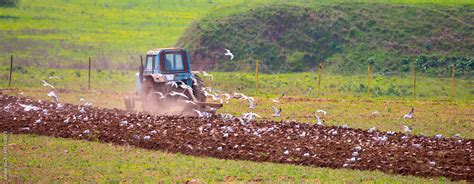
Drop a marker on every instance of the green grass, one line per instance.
(64, 33)
(46, 160)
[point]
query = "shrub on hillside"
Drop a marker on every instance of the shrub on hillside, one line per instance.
(9, 3)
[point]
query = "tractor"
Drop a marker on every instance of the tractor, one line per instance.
(165, 84)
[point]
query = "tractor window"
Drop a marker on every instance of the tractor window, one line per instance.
(174, 62)
(149, 65)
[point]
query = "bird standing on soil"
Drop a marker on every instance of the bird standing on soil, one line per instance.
(54, 96)
(410, 114)
(277, 112)
(228, 53)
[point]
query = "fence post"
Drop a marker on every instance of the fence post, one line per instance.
(11, 70)
(414, 81)
(452, 82)
(89, 73)
(319, 79)
(368, 81)
(256, 78)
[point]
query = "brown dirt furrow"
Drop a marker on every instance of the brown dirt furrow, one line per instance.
(262, 141)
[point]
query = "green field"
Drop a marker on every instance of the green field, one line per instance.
(64, 33)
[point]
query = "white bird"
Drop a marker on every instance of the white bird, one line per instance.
(458, 136)
(184, 86)
(29, 107)
(208, 75)
(124, 123)
(195, 82)
(286, 152)
(86, 132)
(202, 114)
(250, 116)
(172, 83)
(277, 100)
(410, 114)
(252, 104)
(371, 130)
(319, 120)
(38, 121)
(54, 96)
(161, 95)
(53, 77)
(277, 112)
(438, 136)
(147, 137)
(432, 163)
(190, 102)
(306, 155)
(46, 84)
(219, 148)
(357, 148)
(321, 111)
(81, 99)
(174, 93)
(228, 53)
(355, 153)
(407, 128)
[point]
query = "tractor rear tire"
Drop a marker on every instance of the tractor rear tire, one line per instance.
(149, 97)
(197, 89)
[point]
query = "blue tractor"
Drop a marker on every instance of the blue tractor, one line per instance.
(165, 84)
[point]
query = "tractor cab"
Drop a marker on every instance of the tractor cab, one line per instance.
(166, 64)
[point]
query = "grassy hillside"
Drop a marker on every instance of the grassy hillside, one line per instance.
(63, 33)
(346, 37)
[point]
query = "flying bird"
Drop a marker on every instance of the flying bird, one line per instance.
(46, 84)
(277, 100)
(54, 96)
(207, 75)
(319, 120)
(321, 111)
(407, 128)
(161, 95)
(277, 112)
(228, 53)
(172, 83)
(252, 104)
(174, 93)
(410, 114)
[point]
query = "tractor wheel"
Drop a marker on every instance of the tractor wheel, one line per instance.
(197, 90)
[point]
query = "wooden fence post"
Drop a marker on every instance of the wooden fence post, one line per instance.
(256, 78)
(368, 81)
(319, 79)
(11, 70)
(414, 81)
(452, 82)
(89, 73)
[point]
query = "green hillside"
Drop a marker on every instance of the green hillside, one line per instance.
(64, 33)
(344, 36)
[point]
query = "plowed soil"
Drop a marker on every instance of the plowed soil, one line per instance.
(262, 141)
